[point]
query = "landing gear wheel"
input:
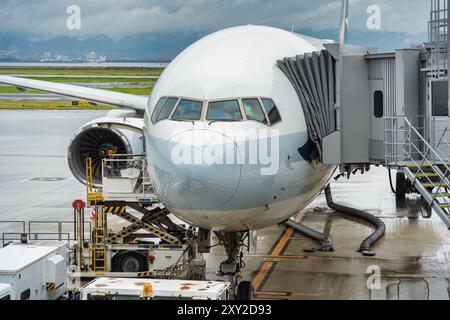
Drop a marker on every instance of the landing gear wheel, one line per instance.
(245, 291)
(131, 262)
(400, 186)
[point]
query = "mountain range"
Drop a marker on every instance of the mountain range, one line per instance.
(165, 46)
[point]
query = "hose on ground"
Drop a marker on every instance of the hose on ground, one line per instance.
(374, 237)
(325, 239)
(390, 182)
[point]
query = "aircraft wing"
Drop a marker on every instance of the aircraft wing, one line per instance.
(117, 99)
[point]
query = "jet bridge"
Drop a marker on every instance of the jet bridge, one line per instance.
(325, 82)
(348, 92)
(366, 108)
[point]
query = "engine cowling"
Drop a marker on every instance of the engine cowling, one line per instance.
(97, 138)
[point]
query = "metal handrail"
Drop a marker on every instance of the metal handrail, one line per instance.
(446, 142)
(59, 225)
(16, 236)
(423, 156)
(116, 161)
(422, 139)
(33, 234)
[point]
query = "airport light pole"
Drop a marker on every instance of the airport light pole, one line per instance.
(344, 21)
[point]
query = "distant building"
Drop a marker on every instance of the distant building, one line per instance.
(92, 56)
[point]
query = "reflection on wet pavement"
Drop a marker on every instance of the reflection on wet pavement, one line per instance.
(413, 257)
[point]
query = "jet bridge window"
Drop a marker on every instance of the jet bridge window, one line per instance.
(253, 110)
(272, 111)
(188, 110)
(227, 110)
(439, 96)
(378, 104)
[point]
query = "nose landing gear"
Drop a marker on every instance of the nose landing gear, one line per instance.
(233, 243)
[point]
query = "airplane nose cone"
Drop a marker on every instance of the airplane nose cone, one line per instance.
(202, 173)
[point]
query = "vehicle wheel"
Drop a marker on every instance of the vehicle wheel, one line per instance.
(400, 186)
(245, 291)
(131, 262)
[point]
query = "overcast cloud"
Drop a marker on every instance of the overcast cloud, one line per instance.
(117, 18)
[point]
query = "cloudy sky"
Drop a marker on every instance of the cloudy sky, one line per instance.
(402, 21)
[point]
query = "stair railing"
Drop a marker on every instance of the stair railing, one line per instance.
(411, 152)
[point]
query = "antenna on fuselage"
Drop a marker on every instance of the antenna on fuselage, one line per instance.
(344, 22)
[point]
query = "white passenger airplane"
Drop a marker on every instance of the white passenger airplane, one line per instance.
(225, 83)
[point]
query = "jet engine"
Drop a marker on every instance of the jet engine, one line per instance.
(101, 138)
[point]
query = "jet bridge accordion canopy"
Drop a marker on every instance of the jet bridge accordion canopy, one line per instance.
(313, 76)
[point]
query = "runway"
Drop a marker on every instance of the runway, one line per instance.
(413, 257)
(33, 144)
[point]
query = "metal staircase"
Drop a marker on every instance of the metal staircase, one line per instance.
(426, 168)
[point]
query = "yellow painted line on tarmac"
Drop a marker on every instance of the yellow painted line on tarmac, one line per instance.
(276, 252)
(282, 243)
(261, 275)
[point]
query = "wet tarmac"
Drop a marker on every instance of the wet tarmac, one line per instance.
(413, 259)
(33, 149)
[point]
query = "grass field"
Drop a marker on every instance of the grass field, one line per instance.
(46, 105)
(14, 90)
(89, 71)
(56, 77)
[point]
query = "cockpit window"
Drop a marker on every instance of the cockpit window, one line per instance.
(157, 109)
(253, 110)
(258, 109)
(166, 109)
(272, 111)
(227, 110)
(188, 110)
